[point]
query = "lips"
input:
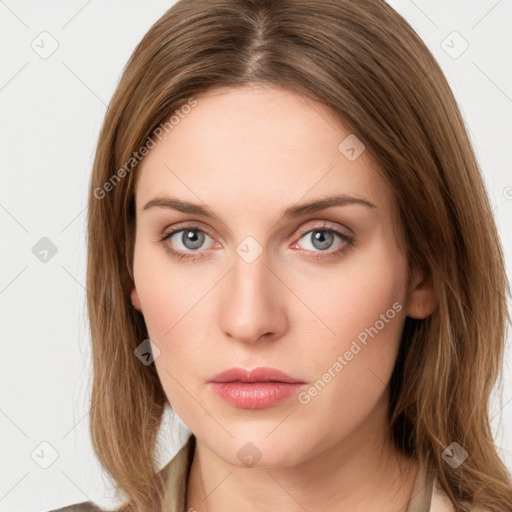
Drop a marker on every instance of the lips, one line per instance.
(254, 389)
(261, 374)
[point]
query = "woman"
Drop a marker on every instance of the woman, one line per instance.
(290, 244)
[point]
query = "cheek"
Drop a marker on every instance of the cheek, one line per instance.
(173, 299)
(353, 296)
(362, 313)
(162, 288)
(173, 309)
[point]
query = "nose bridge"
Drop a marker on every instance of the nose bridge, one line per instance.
(251, 303)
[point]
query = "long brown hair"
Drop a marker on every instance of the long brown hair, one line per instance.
(365, 62)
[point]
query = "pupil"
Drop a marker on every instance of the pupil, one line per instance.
(192, 239)
(324, 238)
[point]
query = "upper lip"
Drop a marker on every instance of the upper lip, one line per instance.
(262, 374)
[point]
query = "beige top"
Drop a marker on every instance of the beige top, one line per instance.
(427, 494)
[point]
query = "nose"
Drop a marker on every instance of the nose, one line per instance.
(252, 304)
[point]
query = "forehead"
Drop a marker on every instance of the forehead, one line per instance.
(256, 146)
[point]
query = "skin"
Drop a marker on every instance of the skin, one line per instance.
(249, 153)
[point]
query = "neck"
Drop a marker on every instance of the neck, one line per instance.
(362, 472)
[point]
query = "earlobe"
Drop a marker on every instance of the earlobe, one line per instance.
(422, 300)
(135, 299)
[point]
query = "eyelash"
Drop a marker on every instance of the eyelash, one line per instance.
(349, 241)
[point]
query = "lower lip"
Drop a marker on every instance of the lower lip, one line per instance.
(254, 395)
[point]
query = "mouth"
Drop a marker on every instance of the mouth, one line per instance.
(262, 374)
(255, 389)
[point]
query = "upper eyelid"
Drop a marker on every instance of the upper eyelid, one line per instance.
(326, 225)
(183, 227)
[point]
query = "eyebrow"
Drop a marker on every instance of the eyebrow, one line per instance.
(289, 213)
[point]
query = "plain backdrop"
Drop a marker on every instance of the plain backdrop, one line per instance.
(59, 65)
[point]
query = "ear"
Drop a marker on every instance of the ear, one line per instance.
(135, 299)
(421, 299)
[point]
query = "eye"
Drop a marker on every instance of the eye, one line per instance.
(187, 242)
(321, 239)
(184, 242)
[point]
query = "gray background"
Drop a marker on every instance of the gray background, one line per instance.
(60, 63)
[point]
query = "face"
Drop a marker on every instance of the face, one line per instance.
(320, 293)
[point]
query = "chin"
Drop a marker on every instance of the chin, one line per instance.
(251, 446)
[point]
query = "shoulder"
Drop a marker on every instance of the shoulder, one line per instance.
(441, 501)
(174, 474)
(84, 506)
